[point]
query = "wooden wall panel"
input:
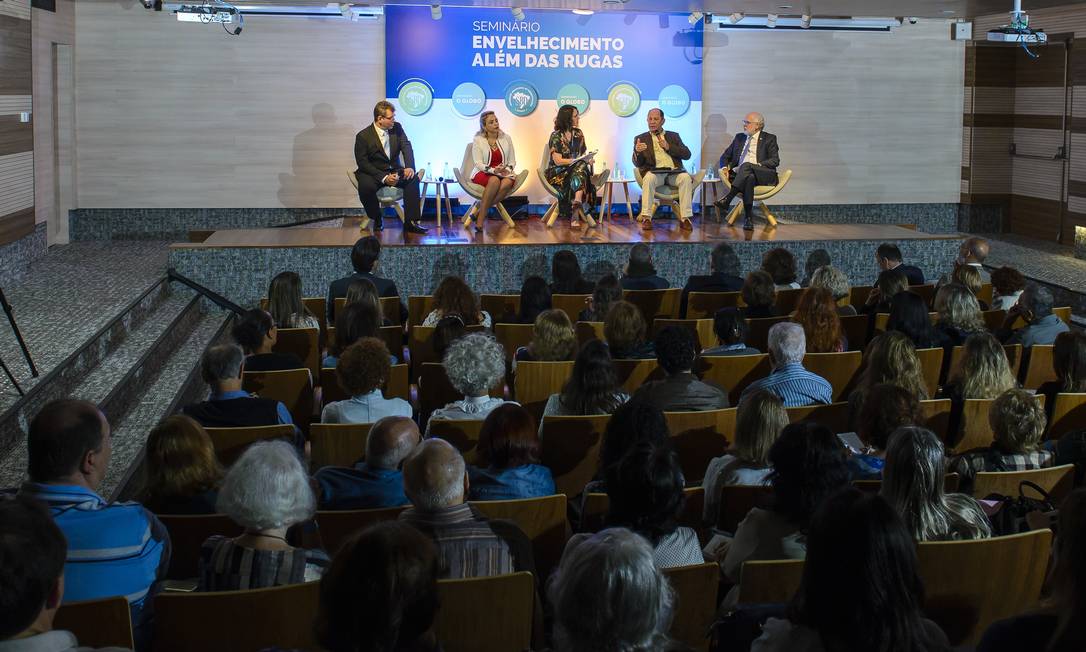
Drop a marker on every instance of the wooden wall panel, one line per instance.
(50, 28)
(16, 136)
(16, 225)
(15, 9)
(16, 182)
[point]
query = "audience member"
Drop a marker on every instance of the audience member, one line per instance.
(973, 252)
(889, 358)
(758, 422)
(731, 334)
(913, 483)
(1042, 325)
(362, 371)
(285, 303)
(375, 481)
(32, 554)
(448, 330)
(592, 388)
(380, 593)
(788, 380)
(780, 264)
(1058, 624)
(115, 548)
(266, 491)
(681, 391)
(469, 544)
(1007, 286)
(1017, 421)
(625, 331)
(885, 408)
(861, 587)
(566, 274)
(229, 406)
(645, 494)
(357, 321)
(969, 277)
(364, 257)
(609, 594)
(607, 292)
(454, 297)
(817, 314)
(255, 332)
(836, 282)
(363, 290)
(508, 455)
(983, 371)
(817, 259)
(1069, 365)
(889, 284)
(553, 339)
(181, 472)
(724, 276)
(474, 364)
(909, 316)
(640, 272)
(959, 314)
(888, 257)
(535, 298)
(808, 465)
(760, 296)
(633, 423)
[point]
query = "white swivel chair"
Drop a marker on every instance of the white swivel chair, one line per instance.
(475, 191)
(761, 193)
(388, 196)
(664, 193)
(552, 211)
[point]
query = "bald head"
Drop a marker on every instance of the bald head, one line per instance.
(974, 250)
(434, 475)
(391, 439)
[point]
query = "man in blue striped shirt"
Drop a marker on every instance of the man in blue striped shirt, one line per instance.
(113, 548)
(793, 384)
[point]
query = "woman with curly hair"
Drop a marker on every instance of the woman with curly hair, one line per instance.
(1018, 421)
(889, 358)
(362, 371)
(454, 297)
(625, 332)
(553, 339)
(1007, 286)
(474, 364)
(780, 264)
(760, 295)
(817, 314)
(182, 472)
(959, 314)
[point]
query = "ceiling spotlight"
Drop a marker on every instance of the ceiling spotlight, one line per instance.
(771, 20)
(805, 21)
(695, 17)
(435, 12)
(736, 17)
(583, 12)
(518, 13)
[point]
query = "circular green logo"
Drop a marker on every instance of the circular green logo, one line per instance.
(415, 98)
(624, 99)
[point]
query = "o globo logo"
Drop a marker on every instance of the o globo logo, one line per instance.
(521, 98)
(574, 95)
(674, 101)
(415, 97)
(624, 99)
(468, 99)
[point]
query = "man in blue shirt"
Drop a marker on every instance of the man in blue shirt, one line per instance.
(1042, 325)
(377, 481)
(229, 406)
(789, 381)
(113, 548)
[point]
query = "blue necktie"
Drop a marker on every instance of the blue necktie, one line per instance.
(746, 148)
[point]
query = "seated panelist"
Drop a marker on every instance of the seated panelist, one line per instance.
(377, 151)
(495, 165)
(751, 160)
(661, 150)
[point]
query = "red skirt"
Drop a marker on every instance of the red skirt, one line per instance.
(481, 177)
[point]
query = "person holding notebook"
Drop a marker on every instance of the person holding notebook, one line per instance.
(659, 154)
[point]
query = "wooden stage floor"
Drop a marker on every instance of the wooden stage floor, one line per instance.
(532, 232)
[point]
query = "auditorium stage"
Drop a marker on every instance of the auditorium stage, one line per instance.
(240, 263)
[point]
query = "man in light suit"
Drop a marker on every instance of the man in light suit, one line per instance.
(656, 149)
(377, 151)
(752, 160)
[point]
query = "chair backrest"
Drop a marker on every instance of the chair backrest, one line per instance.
(985, 293)
(588, 330)
(435, 390)
(293, 388)
(737, 500)
(635, 373)
(950, 484)
(302, 342)
(461, 433)
(543, 521)
(513, 336)
(1039, 366)
(834, 416)
(695, 590)
(467, 164)
(936, 413)
(975, 430)
(571, 304)
(227, 620)
(418, 306)
(993, 319)
(595, 506)
(769, 582)
(571, 449)
(698, 437)
(331, 390)
(840, 369)
(1013, 351)
(392, 336)
(787, 300)
(702, 329)
(1068, 413)
(315, 305)
(931, 364)
(105, 622)
(230, 443)
(398, 385)
(733, 372)
(926, 292)
(421, 349)
(1056, 480)
(857, 294)
(856, 329)
(536, 381)
(758, 335)
(499, 305)
(187, 533)
(336, 526)
(337, 444)
(486, 613)
(958, 586)
(655, 304)
(703, 305)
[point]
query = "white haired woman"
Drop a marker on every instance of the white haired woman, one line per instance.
(474, 364)
(266, 491)
(607, 594)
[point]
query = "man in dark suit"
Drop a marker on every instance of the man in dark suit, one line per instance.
(377, 151)
(888, 257)
(658, 149)
(725, 277)
(751, 160)
(364, 257)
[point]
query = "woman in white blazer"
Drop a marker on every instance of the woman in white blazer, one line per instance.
(495, 165)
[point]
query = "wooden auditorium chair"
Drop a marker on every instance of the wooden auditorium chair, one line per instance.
(694, 610)
(570, 448)
(335, 526)
(187, 533)
(536, 381)
(655, 304)
(704, 305)
(337, 444)
(230, 443)
(105, 622)
(698, 437)
(486, 613)
(543, 521)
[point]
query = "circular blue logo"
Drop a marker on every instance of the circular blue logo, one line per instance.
(575, 95)
(468, 99)
(521, 98)
(674, 100)
(415, 98)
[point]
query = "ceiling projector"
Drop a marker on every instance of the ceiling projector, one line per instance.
(1019, 30)
(207, 13)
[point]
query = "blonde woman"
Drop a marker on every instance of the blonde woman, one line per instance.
(984, 371)
(625, 330)
(758, 422)
(889, 358)
(553, 339)
(968, 276)
(1017, 421)
(959, 314)
(495, 166)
